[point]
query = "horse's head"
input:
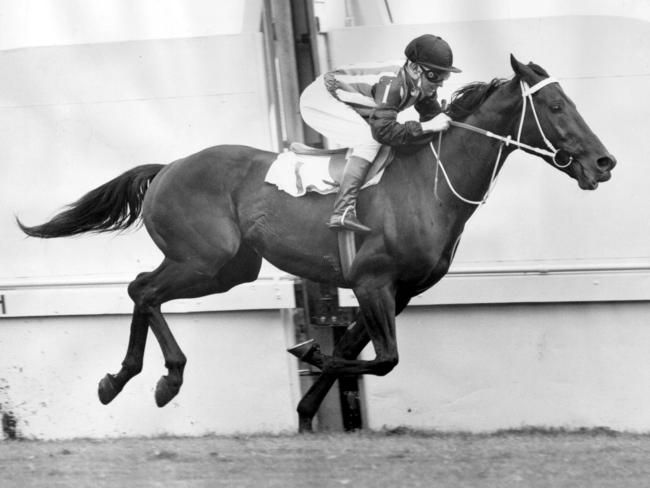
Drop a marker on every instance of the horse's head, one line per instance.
(555, 123)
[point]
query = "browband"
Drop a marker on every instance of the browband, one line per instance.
(529, 90)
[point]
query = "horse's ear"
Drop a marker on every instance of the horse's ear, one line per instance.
(516, 65)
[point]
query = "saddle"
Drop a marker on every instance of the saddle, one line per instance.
(305, 169)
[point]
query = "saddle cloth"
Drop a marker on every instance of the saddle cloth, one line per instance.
(303, 169)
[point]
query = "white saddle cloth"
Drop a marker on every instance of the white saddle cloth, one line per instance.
(297, 174)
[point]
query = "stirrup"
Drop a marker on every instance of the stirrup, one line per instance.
(348, 221)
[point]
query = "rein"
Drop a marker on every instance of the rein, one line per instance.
(527, 95)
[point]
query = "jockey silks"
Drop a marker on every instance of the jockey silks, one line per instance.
(378, 92)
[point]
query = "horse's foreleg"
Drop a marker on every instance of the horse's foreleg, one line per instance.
(349, 346)
(377, 305)
(111, 385)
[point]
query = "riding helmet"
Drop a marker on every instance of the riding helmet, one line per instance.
(432, 52)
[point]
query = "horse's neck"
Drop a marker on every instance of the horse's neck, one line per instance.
(469, 157)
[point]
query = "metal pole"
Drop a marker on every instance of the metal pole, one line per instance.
(289, 91)
(268, 32)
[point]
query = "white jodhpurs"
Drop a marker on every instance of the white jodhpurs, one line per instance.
(337, 121)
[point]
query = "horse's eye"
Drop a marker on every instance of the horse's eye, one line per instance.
(556, 107)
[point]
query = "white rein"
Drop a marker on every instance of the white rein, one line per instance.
(527, 95)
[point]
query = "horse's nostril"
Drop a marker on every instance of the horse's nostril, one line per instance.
(606, 163)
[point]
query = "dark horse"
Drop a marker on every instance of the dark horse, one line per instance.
(215, 218)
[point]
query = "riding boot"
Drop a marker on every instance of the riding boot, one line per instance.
(344, 215)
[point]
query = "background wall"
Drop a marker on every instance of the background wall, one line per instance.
(486, 367)
(29, 23)
(335, 14)
(235, 379)
(74, 117)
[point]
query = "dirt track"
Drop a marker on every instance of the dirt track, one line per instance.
(530, 459)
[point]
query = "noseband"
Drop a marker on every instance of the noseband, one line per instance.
(527, 95)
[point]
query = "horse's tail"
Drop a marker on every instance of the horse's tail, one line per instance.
(114, 206)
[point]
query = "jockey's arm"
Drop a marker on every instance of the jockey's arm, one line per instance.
(428, 108)
(386, 129)
(383, 120)
(389, 94)
(432, 117)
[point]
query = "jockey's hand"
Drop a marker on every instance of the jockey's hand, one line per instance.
(439, 123)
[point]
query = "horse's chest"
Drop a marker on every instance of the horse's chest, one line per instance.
(423, 269)
(423, 259)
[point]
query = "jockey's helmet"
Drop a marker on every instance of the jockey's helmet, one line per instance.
(431, 52)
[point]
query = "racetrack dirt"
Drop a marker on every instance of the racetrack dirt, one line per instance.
(388, 459)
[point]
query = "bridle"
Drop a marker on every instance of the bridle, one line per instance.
(551, 152)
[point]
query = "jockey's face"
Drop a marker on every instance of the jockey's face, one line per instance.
(428, 80)
(433, 76)
(432, 80)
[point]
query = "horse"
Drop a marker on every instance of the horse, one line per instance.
(215, 218)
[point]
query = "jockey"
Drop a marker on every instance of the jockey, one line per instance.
(357, 106)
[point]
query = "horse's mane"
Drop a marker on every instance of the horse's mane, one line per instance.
(467, 99)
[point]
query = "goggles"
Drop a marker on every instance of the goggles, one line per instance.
(434, 76)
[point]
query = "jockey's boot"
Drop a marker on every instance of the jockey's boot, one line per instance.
(344, 215)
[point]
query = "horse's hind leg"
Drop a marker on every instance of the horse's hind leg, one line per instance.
(170, 281)
(175, 280)
(111, 385)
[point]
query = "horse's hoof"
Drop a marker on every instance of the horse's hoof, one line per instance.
(304, 426)
(165, 391)
(107, 389)
(304, 349)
